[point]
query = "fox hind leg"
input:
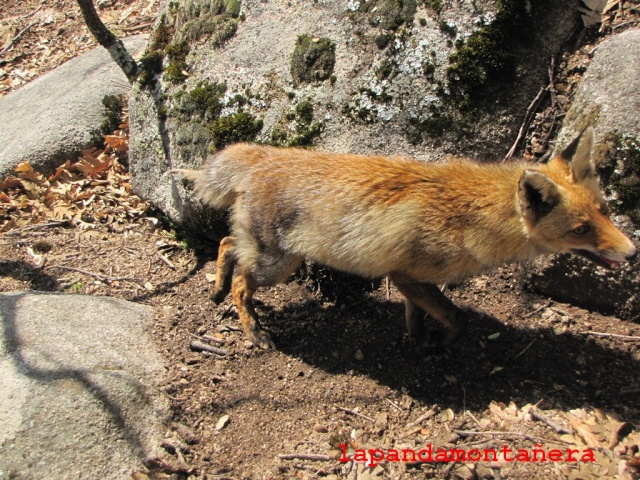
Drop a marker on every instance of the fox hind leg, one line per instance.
(224, 269)
(429, 298)
(269, 270)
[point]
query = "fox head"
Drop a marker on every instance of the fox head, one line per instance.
(563, 209)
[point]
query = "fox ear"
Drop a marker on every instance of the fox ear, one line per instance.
(578, 153)
(538, 194)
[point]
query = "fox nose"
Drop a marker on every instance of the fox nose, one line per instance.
(632, 256)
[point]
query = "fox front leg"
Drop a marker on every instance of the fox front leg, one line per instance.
(429, 298)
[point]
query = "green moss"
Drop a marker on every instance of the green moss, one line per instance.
(435, 5)
(447, 28)
(232, 7)
(390, 14)
(205, 101)
(161, 36)
(150, 66)
(305, 132)
(313, 59)
(387, 70)
(112, 113)
(304, 112)
(382, 40)
(216, 19)
(177, 54)
(240, 127)
(434, 126)
(618, 163)
(489, 56)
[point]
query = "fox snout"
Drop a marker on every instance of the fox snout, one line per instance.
(610, 260)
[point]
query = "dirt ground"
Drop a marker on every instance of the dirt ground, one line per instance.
(528, 374)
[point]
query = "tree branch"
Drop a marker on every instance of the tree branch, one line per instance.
(108, 40)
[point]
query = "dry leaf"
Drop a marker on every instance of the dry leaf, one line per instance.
(223, 421)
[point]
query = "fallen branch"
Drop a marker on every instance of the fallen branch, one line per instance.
(312, 457)
(394, 405)
(20, 231)
(410, 432)
(612, 335)
(42, 2)
(538, 415)
(525, 349)
(424, 417)
(17, 37)
(548, 304)
(357, 414)
(100, 276)
(525, 123)
(166, 261)
(203, 347)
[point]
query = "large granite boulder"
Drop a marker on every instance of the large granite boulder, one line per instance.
(424, 79)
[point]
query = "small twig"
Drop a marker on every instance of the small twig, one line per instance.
(199, 346)
(531, 438)
(447, 469)
(538, 415)
(612, 335)
(388, 290)
(552, 83)
(473, 418)
(624, 24)
(424, 417)
(36, 10)
(100, 276)
(394, 405)
(20, 231)
(525, 349)
(410, 432)
(209, 338)
(312, 457)
(166, 261)
(140, 26)
(357, 414)
(546, 305)
(525, 123)
(17, 37)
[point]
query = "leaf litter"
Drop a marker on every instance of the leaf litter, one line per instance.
(93, 189)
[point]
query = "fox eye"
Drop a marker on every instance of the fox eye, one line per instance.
(581, 230)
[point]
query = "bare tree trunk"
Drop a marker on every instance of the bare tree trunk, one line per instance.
(108, 40)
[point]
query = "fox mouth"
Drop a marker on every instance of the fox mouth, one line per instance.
(598, 259)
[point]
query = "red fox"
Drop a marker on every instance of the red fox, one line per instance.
(422, 224)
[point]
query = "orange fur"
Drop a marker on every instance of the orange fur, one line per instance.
(421, 224)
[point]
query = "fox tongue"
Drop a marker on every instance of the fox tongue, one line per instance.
(600, 260)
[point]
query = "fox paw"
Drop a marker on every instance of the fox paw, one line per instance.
(434, 342)
(260, 338)
(218, 295)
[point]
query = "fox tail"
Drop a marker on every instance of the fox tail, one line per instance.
(211, 188)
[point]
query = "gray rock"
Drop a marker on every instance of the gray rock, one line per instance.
(378, 99)
(59, 115)
(608, 96)
(77, 395)
(609, 99)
